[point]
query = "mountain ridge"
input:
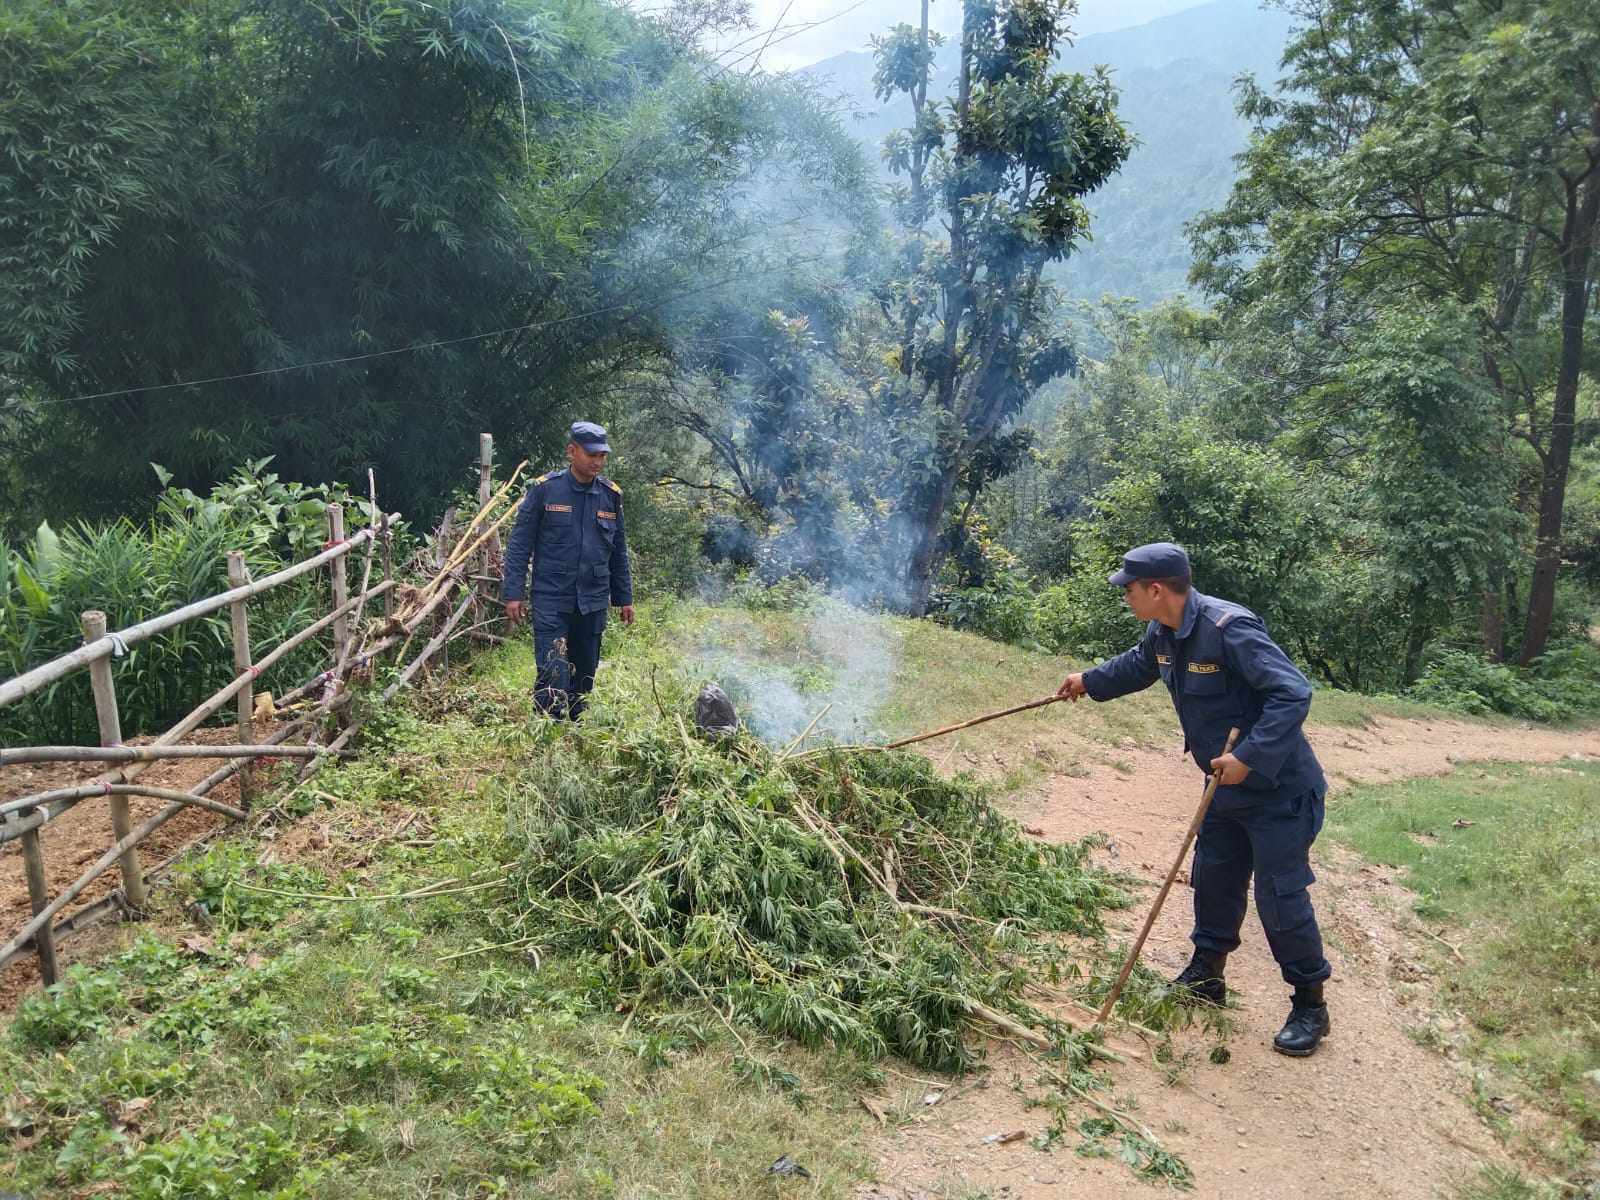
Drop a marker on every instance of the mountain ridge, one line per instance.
(1175, 79)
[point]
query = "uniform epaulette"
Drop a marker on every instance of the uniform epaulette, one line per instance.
(545, 478)
(611, 485)
(1221, 619)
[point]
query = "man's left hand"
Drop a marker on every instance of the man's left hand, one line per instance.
(1229, 770)
(626, 613)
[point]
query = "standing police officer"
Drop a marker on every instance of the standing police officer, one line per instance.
(1223, 671)
(571, 524)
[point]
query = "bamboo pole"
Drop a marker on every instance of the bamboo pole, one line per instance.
(486, 486)
(58, 800)
(224, 773)
(206, 709)
(45, 674)
(338, 743)
(1166, 886)
(439, 639)
(341, 588)
(388, 569)
(38, 754)
(239, 619)
(93, 623)
(43, 937)
(42, 917)
(388, 643)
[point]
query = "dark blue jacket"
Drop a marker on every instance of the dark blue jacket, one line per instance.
(575, 538)
(1222, 670)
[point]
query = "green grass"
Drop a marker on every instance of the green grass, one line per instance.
(291, 1046)
(295, 1047)
(1354, 709)
(1505, 861)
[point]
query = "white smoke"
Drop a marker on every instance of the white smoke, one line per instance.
(845, 674)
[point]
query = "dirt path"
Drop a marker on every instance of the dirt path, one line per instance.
(1372, 1115)
(82, 834)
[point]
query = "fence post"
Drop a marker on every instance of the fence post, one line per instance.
(239, 617)
(44, 942)
(93, 622)
(341, 589)
(388, 567)
(491, 545)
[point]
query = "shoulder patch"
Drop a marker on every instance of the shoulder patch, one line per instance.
(1228, 613)
(611, 485)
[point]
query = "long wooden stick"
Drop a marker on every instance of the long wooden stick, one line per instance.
(994, 716)
(37, 754)
(1166, 886)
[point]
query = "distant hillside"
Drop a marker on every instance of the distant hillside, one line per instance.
(1175, 75)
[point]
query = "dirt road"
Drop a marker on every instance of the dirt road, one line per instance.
(1372, 1115)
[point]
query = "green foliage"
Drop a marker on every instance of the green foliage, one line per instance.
(1251, 521)
(83, 1003)
(535, 191)
(1560, 685)
(1390, 300)
(220, 1158)
(211, 881)
(133, 573)
(723, 875)
(1007, 610)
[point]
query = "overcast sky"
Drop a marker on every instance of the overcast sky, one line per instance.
(839, 25)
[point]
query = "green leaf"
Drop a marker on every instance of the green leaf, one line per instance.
(163, 476)
(46, 550)
(37, 599)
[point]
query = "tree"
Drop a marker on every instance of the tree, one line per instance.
(1424, 155)
(472, 214)
(996, 176)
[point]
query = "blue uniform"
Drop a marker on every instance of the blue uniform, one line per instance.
(574, 535)
(1223, 671)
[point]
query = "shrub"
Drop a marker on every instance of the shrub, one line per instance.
(1006, 609)
(1558, 686)
(135, 572)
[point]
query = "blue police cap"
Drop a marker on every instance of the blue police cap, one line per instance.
(1158, 560)
(590, 436)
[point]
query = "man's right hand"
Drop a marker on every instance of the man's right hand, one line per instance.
(1073, 687)
(516, 610)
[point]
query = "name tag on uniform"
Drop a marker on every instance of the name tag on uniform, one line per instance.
(1205, 668)
(606, 516)
(558, 508)
(1164, 659)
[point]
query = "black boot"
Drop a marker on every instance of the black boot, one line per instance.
(1307, 1024)
(1201, 981)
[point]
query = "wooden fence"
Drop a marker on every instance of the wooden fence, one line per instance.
(461, 568)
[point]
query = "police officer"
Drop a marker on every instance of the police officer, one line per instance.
(570, 524)
(1223, 671)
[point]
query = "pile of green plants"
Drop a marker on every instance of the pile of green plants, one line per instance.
(846, 897)
(135, 571)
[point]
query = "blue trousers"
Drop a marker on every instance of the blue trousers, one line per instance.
(1269, 838)
(566, 646)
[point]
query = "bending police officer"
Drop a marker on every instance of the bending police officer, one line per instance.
(1222, 670)
(570, 524)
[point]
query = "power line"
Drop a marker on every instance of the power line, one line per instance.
(472, 337)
